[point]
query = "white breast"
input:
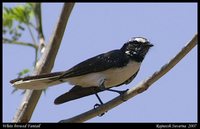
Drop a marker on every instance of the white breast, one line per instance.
(112, 77)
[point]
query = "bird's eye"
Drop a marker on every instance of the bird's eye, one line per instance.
(136, 43)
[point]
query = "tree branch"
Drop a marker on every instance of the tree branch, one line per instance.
(31, 33)
(44, 65)
(139, 88)
(38, 18)
(28, 26)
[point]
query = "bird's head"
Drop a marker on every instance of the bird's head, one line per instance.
(136, 48)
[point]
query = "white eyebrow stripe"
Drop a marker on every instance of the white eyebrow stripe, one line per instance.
(140, 39)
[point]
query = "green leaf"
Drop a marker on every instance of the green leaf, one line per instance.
(23, 72)
(14, 18)
(21, 27)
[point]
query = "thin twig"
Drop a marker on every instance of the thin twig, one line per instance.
(34, 41)
(139, 88)
(31, 33)
(36, 56)
(44, 65)
(10, 41)
(38, 18)
(29, 29)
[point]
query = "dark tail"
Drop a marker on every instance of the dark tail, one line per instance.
(37, 82)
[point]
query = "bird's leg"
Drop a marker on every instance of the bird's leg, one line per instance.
(117, 91)
(98, 105)
(102, 87)
(101, 103)
(120, 92)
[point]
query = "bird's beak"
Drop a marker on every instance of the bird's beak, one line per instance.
(150, 45)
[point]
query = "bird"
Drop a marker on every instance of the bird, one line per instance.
(96, 74)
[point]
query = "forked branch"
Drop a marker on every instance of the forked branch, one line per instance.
(44, 65)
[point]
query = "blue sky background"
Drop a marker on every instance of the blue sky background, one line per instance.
(94, 28)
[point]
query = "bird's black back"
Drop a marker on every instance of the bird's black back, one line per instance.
(102, 62)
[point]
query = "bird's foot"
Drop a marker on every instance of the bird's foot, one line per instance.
(96, 106)
(117, 91)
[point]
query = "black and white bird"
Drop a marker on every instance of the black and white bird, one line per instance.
(114, 68)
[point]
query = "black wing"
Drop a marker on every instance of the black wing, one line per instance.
(112, 59)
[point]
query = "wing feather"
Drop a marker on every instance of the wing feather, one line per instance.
(112, 59)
